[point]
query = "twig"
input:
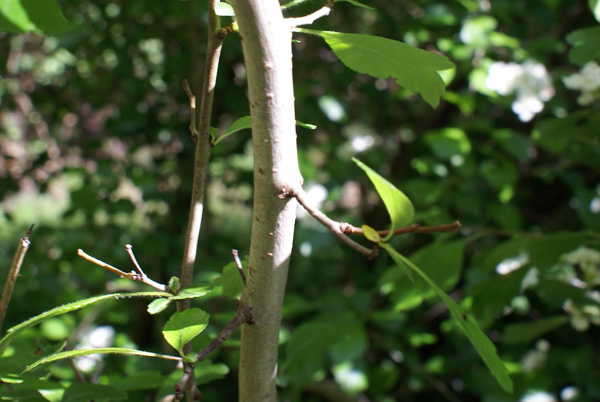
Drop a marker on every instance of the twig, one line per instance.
(414, 228)
(13, 273)
(334, 227)
(192, 98)
(128, 275)
(129, 250)
(312, 17)
(238, 264)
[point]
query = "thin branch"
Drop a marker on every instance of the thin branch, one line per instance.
(312, 17)
(238, 264)
(414, 228)
(192, 98)
(129, 250)
(13, 273)
(334, 227)
(128, 275)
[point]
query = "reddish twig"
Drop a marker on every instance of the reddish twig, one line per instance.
(414, 228)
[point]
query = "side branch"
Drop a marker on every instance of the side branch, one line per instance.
(337, 228)
(13, 273)
(414, 228)
(310, 18)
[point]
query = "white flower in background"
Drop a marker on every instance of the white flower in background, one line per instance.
(99, 337)
(529, 80)
(587, 81)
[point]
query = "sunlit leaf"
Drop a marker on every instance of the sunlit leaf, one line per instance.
(224, 10)
(378, 57)
(86, 352)
(40, 16)
(480, 341)
(398, 205)
(371, 234)
(14, 331)
(192, 292)
(158, 305)
(184, 326)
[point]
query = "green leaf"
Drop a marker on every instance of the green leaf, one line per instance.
(85, 391)
(528, 331)
(224, 10)
(85, 352)
(158, 305)
(12, 332)
(480, 341)
(174, 284)
(40, 16)
(371, 234)
(398, 205)
(378, 57)
(246, 123)
(586, 45)
(184, 326)
(595, 7)
(231, 280)
(192, 292)
(306, 125)
(356, 3)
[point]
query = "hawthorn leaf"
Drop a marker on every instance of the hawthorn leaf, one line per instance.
(184, 326)
(371, 234)
(412, 68)
(158, 305)
(398, 205)
(483, 345)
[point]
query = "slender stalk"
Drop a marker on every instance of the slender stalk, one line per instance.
(13, 273)
(202, 156)
(266, 42)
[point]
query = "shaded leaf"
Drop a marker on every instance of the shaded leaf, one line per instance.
(40, 16)
(356, 3)
(398, 205)
(480, 341)
(85, 391)
(231, 280)
(85, 352)
(528, 331)
(378, 57)
(586, 45)
(184, 326)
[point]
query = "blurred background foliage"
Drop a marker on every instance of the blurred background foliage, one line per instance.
(95, 150)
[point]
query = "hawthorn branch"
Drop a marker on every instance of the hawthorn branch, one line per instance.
(134, 276)
(13, 273)
(337, 228)
(312, 17)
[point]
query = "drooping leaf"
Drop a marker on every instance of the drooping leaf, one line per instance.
(480, 341)
(378, 57)
(356, 3)
(184, 326)
(86, 352)
(14, 331)
(398, 205)
(371, 234)
(40, 16)
(586, 45)
(158, 305)
(528, 331)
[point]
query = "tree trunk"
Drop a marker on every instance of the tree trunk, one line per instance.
(266, 41)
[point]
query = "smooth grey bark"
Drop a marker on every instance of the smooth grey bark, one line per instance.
(266, 41)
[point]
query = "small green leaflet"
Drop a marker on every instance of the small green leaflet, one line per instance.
(40, 16)
(398, 205)
(85, 352)
(480, 341)
(184, 326)
(158, 305)
(188, 293)
(224, 10)
(14, 331)
(378, 57)
(231, 281)
(246, 122)
(356, 3)
(371, 234)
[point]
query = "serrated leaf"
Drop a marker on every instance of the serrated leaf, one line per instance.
(12, 332)
(398, 205)
(355, 3)
(192, 292)
(478, 339)
(378, 57)
(371, 234)
(86, 352)
(224, 10)
(158, 305)
(184, 326)
(40, 16)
